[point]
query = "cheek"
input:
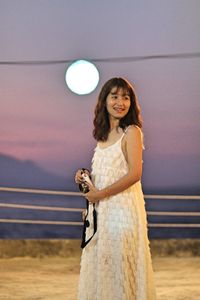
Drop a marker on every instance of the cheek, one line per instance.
(109, 103)
(128, 105)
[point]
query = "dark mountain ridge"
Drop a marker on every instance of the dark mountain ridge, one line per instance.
(159, 177)
(27, 174)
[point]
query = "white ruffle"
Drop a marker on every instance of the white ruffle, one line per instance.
(116, 264)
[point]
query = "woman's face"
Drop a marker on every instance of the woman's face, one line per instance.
(118, 103)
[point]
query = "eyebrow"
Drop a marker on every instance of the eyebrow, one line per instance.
(124, 94)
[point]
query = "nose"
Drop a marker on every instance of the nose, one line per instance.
(120, 100)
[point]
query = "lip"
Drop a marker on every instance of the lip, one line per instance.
(119, 110)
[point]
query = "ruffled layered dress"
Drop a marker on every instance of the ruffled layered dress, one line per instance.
(116, 264)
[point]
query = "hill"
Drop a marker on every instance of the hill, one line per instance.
(27, 174)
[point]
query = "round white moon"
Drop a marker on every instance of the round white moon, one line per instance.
(82, 77)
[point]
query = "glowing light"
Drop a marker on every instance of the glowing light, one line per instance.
(82, 77)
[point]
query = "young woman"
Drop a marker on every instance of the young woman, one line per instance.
(116, 263)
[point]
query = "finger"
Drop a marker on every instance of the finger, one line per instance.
(77, 180)
(91, 187)
(78, 177)
(79, 173)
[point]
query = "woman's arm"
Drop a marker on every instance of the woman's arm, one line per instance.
(133, 153)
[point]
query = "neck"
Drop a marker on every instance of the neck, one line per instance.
(114, 124)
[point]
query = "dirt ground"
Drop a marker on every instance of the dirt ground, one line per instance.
(56, 278)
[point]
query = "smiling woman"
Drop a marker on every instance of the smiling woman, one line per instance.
(116, 264)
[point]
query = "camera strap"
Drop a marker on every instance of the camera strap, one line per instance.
(86, 224)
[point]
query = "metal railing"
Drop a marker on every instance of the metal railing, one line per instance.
(68, 209)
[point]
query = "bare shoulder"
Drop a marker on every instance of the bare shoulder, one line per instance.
(133, 137)
(132, 141)
(133, 132)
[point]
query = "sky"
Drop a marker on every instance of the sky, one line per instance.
(41, 120)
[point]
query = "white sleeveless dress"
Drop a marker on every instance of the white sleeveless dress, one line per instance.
(116, 264)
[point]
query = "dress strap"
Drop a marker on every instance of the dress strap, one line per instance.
(126, 129)
(142, 135)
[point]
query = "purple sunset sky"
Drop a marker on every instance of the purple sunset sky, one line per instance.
(41, 120)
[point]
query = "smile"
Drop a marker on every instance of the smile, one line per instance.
(117, 109)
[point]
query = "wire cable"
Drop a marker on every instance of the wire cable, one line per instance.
(104, 60)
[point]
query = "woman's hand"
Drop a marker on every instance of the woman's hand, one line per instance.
(94, 195)
(78, 176)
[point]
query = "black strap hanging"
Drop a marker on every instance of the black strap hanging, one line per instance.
(84, 188)
(86, 224)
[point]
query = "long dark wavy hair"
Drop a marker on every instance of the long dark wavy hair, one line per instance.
(101, 119)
